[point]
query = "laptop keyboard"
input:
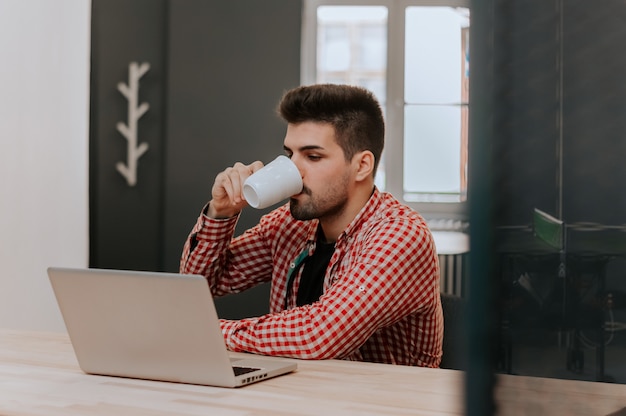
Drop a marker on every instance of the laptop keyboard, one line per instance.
(243, 370)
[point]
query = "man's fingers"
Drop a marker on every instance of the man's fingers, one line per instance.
(230, 181)
(238, 176)
(255, 166)
(227, 190)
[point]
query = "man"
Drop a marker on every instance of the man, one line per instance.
(354, 274)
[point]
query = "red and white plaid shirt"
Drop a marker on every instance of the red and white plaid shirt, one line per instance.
(381, 289)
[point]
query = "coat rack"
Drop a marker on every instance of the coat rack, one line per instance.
(129, 130)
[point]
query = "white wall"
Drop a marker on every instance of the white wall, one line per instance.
(44, 114)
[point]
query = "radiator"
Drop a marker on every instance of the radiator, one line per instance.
(453, 274)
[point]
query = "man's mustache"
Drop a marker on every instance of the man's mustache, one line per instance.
(306, 190)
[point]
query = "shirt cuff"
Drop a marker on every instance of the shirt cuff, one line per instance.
(211, 229)
(228, 329)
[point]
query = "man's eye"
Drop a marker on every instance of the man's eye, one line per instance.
(314, 157)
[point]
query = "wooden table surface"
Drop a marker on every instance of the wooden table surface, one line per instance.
(39, 375)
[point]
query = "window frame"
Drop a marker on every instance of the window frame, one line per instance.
(395, 104)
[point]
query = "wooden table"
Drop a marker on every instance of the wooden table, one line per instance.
(39, 375)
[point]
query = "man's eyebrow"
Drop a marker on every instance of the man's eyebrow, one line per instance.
(303, 148)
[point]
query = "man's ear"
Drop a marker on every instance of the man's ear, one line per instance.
(365, 164)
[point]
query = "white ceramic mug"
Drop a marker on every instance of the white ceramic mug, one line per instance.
(274, 182)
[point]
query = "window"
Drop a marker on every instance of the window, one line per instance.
(414, 56)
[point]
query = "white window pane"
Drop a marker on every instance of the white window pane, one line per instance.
(352, 46)
(432, 152)
(381, 177)
(432, 139)
(433, 54)
(332, 79)
(372, 50)
(377, 86)
(335, 55)
(329, 14)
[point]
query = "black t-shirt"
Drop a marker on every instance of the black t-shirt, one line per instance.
(312, 279)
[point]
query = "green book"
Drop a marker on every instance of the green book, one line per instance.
(548, 228)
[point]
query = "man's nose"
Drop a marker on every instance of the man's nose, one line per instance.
(297, 160)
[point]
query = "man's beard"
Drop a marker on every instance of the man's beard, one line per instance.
(331, 204)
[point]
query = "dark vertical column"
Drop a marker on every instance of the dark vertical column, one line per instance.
(125, 220)
(481, 306)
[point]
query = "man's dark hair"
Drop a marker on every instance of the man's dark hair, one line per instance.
(353, 111)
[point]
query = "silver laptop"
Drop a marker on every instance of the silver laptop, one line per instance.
(156, 326)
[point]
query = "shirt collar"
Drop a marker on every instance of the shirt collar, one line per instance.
(369, 209)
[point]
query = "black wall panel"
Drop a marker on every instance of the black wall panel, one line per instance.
(229, 64)
(594, 109)
(526, 109)
(218, 70)
(560, 98)
(125, 221)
